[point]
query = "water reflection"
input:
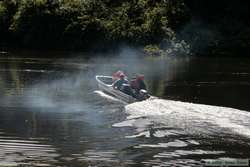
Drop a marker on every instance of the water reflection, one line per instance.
(17, 152)
(52, 114)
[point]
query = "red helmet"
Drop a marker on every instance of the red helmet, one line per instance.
(140, 77)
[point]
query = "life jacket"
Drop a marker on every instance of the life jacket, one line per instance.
(118, 83)
(137, 84)
(134, 84)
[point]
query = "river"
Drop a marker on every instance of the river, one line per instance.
(52, 113)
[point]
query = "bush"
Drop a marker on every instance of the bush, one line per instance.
(7, 10)
(87, 23)
(37, 23)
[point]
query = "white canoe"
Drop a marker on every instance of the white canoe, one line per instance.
(105, 84)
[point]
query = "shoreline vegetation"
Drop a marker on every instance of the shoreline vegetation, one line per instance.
(158, 27)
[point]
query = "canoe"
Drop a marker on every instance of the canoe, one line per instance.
(105, 84)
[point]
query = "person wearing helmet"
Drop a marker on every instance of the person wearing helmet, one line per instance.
(118, 83)
(116, 75)
(138, 83)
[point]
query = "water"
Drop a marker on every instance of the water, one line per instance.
(52, 114)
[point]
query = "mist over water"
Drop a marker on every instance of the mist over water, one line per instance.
(53, 114)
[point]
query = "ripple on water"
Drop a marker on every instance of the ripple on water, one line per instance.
(171, 163)
(176, 143)
(16, 151)
(102, 158)
(93, 155)
(181, 153)
(157, 133)
(173, 132)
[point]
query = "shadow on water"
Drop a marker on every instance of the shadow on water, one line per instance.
(52, 114)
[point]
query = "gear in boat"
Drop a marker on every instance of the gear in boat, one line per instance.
(119, 86)
(135, 88)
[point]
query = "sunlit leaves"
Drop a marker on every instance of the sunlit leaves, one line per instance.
(137, 21)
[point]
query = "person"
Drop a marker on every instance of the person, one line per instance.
(118, 83)
(141, 82)
(116, 75)
(138, 83)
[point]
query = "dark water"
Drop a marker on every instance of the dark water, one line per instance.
(52, 114)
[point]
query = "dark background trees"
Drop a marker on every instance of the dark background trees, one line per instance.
(83, 24)
(223, 26)
(211, 27)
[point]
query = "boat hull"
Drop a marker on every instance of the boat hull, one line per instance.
(105, 84)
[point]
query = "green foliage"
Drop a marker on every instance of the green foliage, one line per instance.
(219, 28)
(174, 47)
(7, 10)
(2, 16)
(153, 50)
(84, 23)
(2, 9)
(36, 22)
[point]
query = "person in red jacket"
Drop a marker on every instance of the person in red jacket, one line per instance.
(138, 83)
